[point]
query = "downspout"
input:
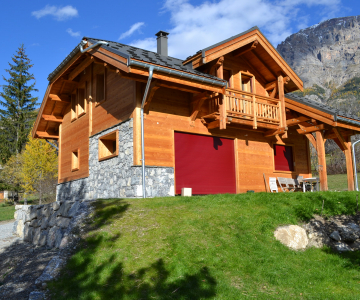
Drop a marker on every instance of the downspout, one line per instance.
(84, 42)
(151, 71)
(354, 161)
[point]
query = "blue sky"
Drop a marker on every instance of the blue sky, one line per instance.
(50, 30)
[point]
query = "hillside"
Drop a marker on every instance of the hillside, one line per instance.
(207, 247)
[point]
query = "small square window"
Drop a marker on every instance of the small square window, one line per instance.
(100, 87)
(109, 145)
(75, 160)
(81, 102)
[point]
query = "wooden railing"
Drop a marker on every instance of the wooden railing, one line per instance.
(244, 105)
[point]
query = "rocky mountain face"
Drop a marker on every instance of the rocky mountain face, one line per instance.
(325, 54)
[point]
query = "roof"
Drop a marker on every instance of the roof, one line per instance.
(322, 107)
(127, 52)
(232, 38)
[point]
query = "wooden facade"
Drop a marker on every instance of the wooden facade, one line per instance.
(96, 90)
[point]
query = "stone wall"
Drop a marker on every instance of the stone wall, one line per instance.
(45, 225)
(117, 177)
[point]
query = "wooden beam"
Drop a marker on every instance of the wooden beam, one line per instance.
(152, 89)
(61, 98)
(244, 50)
(52, 118)
(46, 135)
(271, 133)
(264, 63)
(340, 138)
(320, 146)
(215, 65)
(310, 129)
(271, 85)
(198, 101)
(312, 139)
(296, 121)
(222, 111)
(280, 81)
(251, 67)
(214, 124)
(349, 164)
(80, 68)
(137, 125)
(331, 135)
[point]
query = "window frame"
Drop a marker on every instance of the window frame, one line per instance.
(77, 166)
(293, 157)
(101, 145)
(230, 82)
(73, 112)
(84, 109)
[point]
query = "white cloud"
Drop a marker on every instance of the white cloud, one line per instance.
(73, 33)
(194, 27)
(59, 13)
(132, 29)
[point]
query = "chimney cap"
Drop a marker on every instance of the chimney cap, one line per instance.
(162, 33)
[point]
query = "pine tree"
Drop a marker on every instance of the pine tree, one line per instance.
(17, 106)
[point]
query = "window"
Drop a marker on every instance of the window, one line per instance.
(283, 158)
(100, 87)
(81, 110)
(227, 76)
(246, 83)
(75, 160)
(73, 107)
(109, 145)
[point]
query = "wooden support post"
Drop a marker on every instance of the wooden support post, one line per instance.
(282, 98)
(349, 164)
(320, 146)
(137, 125)
(59, 153)
(222, 110)
(254, 102)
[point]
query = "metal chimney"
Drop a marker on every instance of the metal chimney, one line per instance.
(162, 43)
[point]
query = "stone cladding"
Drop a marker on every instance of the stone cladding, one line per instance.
(117, 177)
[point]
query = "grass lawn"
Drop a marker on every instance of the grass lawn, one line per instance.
(209, 247)
(338, 182)
(6, 212)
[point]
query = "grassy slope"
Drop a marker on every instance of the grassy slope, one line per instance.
(210, 247)
(6, 212)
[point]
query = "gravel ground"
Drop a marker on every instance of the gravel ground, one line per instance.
(22, 265)
(6, 235)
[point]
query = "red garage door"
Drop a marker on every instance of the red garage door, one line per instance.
(204, 163)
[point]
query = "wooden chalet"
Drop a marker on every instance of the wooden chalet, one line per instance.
(215, 122)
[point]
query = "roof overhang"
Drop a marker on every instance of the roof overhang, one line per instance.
(242, 40)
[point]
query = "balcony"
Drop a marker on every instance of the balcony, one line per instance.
(244, 108)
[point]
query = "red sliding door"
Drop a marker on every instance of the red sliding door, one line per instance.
(204, 163)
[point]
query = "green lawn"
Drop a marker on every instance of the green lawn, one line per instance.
(209, 247)
(338, 182)
(6, 212)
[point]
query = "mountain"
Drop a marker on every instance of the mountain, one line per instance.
(326, 56)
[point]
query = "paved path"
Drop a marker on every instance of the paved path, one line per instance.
(6, 235)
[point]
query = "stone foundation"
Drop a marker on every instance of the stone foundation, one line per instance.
(117, 177)
(45, 225)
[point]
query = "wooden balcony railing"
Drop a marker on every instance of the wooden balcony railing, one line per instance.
(258, 110)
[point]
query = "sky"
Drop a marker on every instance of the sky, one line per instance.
(51, 30)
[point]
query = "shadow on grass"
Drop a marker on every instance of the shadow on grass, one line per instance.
(96, 272)
(351, 260)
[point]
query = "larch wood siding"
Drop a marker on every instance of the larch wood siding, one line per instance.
(117, 107)
(119, 101)
(254, 152)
